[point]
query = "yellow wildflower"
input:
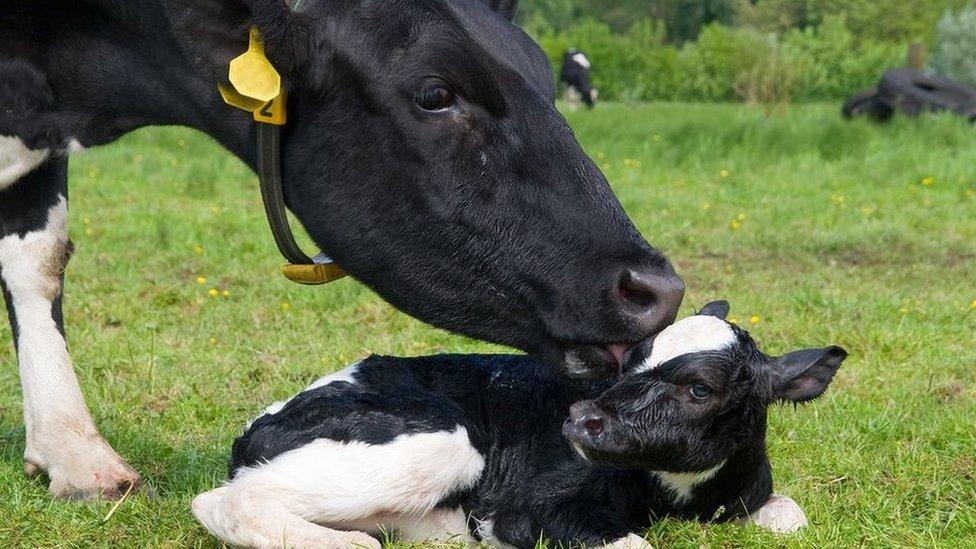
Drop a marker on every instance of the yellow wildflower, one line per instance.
(754, 319)
(735, 225)
(213, 292)
(198, 249)
(928, 181)
(973, 305)
(724, 173)
(225, 293)
(285, 305)
(201, 280)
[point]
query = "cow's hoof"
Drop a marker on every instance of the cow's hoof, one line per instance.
(89, 470)
(780, 514)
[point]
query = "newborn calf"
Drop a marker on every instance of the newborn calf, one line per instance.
(501, 449)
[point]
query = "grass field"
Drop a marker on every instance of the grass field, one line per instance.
(817, 230)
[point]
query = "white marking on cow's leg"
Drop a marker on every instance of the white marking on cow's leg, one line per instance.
(681, 484)
(632, 541)
(779, 514)
(689, 335)
(339, 485)
(61, 436)
(439, 525)
(75, 146)
(16, 160)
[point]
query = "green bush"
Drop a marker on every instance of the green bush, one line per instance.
(955, 48)
(725, 63)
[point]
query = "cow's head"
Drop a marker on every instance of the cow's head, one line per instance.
(425, 155)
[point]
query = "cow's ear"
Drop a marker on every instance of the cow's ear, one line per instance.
(505, 8)
(287, 39)
(715, 308)
(804, 375)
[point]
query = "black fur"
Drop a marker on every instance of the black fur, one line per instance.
(485, 218)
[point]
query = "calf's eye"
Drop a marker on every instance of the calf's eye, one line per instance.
(700, 391)
(434, 98)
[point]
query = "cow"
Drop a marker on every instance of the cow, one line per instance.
(499, 449)
(422, 152)
(575, 73)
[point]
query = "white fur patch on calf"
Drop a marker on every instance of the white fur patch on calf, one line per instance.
(16, 160)
(688, 335)
(331, 482)
(682, 484)
(779, 514)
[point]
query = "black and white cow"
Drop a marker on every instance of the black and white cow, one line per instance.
(498, 448)
(422, 152)
(575, 73)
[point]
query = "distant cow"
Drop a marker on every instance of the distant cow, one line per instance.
(576, 75)
(499, 449)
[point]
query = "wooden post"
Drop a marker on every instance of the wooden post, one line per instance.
(916, 55)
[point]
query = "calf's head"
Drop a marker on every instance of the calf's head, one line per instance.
(425, 155)
(695, 395)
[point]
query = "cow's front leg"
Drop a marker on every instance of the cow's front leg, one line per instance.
(61, 437)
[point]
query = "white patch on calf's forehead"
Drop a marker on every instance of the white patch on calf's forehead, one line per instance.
(689, 335)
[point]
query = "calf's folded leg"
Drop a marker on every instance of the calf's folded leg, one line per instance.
(310, 496)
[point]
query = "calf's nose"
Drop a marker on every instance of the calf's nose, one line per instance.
(586, 418)
(647, 298)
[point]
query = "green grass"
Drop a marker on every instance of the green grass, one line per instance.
(837, 241)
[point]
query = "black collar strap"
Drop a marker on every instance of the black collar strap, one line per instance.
(255, 86)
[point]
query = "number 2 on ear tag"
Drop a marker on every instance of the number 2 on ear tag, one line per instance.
(252, 75)
(272, 112)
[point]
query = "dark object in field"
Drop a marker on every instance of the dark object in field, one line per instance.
(867, 103)
(500, 449)
(912, 92)
(575, 74)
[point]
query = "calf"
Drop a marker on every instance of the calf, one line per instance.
(480, 446)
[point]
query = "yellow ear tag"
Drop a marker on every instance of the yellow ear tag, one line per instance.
(320, 273)
(252, 75)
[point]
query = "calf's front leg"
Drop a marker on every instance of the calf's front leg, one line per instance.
(62, 439)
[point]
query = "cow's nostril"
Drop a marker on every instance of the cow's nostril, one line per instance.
(636, 289)
(649, 298)
(593, 426)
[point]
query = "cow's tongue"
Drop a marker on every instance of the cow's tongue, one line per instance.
(618, 350)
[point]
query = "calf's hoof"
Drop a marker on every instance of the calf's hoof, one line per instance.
(632, 541)
(779, 514)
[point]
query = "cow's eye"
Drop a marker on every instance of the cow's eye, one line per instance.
(700, 391)
(434, 98)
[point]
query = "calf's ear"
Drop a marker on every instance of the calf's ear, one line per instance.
(505, 8)
(804, 375)
(715, 308)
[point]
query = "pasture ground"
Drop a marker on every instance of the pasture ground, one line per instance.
(817, 230)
